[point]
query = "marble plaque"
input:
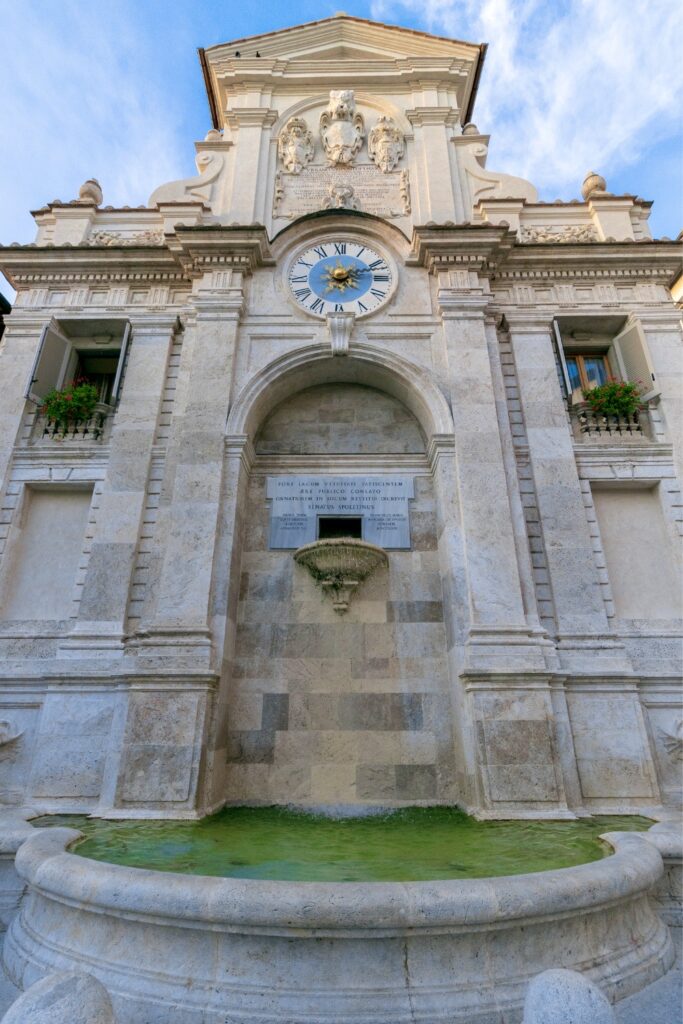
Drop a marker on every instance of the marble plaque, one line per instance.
(314, 188)
(380, 501)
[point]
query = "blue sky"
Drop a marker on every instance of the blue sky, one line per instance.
(114, 91)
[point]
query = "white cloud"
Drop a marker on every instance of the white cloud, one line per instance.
(568, 85)
(81, 98)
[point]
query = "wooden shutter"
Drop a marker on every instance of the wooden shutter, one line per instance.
(50, 363)
(563, 372)
(122, 362)
(629, 352)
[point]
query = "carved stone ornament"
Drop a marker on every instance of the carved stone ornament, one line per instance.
(8, 733)
(404, 189)
(562, 233)
(91, 192)
(113, 238)
(673, 742)
(340, 197)
(342, 130)
(340, 326)
(593, 183)
(340, 565)
(295, 145)
(202, 187)
(386, 144)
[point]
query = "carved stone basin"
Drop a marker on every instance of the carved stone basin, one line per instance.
(340, 564)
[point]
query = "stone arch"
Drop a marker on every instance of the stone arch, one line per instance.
(305, 367)
(347, 220)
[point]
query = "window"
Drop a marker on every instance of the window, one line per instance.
(586, 372)
(339, 526)
(69, 349)
(593, 349)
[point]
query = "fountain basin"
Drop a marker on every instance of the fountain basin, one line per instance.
(340, 565)
(177, 948)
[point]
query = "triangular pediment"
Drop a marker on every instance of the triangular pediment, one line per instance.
(342, 37)
(341, 51)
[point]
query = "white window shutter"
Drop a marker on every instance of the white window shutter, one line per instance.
(119, 369)
(559, 352)
(629, 351)
(50, 363)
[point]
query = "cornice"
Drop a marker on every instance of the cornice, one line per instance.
(27, 265)
(250, 117)
(448, 246)
(657, 260)
(216, 247)
(420, 116)
(186, 254)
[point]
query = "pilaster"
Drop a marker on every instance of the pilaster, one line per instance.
(499, 635)
(218, 260)
(583, 632)
(253, 125)
(100, 626)
(437, 196)
(19, 346)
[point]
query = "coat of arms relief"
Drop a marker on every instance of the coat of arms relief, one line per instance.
(329, 171)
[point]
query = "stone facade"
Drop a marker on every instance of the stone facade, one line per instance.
(159, 658)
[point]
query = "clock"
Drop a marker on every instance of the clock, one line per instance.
(340, 277)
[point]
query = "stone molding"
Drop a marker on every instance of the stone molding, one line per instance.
(445, 246)
(312, 364)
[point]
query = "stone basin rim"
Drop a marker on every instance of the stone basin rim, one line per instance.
(244, 905)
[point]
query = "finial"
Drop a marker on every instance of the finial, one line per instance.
(470, 129)
(592, 183)
(90, 192)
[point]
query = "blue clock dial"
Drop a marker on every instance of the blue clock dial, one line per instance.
(340, 277)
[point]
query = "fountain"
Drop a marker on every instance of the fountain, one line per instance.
(263, 946)
(340, 565)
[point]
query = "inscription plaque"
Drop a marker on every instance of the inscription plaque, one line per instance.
(298, 501)
(385, 195)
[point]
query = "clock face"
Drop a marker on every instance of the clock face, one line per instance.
(340, 277)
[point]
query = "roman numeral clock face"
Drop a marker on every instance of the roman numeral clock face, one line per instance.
(340, 277)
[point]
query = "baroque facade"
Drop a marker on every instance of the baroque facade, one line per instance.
(343, 308)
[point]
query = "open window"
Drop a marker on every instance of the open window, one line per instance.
(593, 349)
(69, 349)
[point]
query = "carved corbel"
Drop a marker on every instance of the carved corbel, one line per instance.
(340, 327)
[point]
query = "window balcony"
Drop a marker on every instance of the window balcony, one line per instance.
(94, 429)
(591, 427)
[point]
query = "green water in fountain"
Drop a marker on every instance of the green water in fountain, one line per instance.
(413, 844)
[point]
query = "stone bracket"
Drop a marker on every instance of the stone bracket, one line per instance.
(340, 327)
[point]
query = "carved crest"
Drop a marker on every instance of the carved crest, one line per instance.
(386, 144)
(295, 145)
(342, 130)
(340, 197)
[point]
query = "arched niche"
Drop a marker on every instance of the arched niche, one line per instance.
(367, 365)
(317, 708)
(340, 418)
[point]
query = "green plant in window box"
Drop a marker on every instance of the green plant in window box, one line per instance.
(615, 398)
(67, 407)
